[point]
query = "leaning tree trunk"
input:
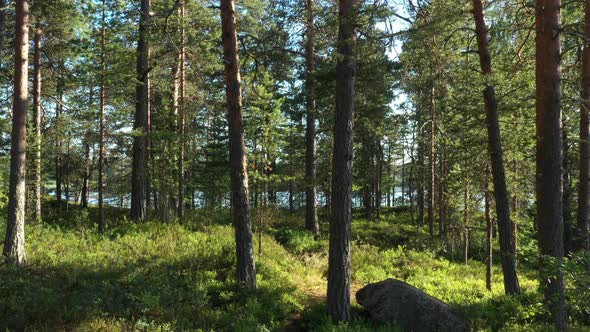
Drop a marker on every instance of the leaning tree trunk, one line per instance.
(341, 224)
(246, 271)
(101, 138)
(37, 184)
(507, 240)
(138, 211)
(583, 187)
(549, 154)
(311, 214)
(14, 244)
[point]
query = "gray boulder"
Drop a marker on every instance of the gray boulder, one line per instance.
(413, 310)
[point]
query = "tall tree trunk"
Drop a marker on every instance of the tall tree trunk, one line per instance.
(431, 161)
(37, 114)
(378, 177)
(2, 23)
(58, 143)
(101, 136)
(138, 172)
(14, 244)
(441, 192)
(341, 224)
(549, 163)
(420, 169)
(181, 115)
(246, 271)
(311, 214)
(583, 187)
(488, 217)
(567, 190)
(502, 198)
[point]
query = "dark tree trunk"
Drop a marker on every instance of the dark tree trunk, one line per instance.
(502, 198)
(311, 215)
(139, 126)
(14, 244)
(549, 155)
(338, 301)
(465, 226)
(378, 177)
(246, 272)
(37, 181)
(101, 138)
(583, 228)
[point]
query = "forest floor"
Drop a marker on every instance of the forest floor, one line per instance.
(165, 276)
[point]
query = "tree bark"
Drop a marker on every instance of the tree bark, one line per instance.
(181, 115)
(37, 181)
(583, 228)
(549, 155)
(431, 160)
(488, 217)
(311, 214)
(338, 300)
(567, 190)
(101, 136)
(138, 211)
(14, 244)
(246, 271)
(502, 198)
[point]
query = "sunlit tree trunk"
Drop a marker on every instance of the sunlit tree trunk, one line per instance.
(507, 239)
(246, 271)
(14, 243)
(341, 223)
(549, 157)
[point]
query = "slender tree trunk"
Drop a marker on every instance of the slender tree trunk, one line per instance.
(488, 217)
(420, 169)
(86, 178)
(311, 214)
(465, 226)
(502, 198)
(14, 244)
(58, 144)
(431, 161)
(246, 271)
(567, 190)
(37, 181)
(341, 224)
(583, 187)
(138, 172)
(2, 23)
(101, 136)
(378, 179)
(549, 156)
(181, 116)
(441, 193)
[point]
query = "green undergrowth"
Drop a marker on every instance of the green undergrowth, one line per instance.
(169, 277)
